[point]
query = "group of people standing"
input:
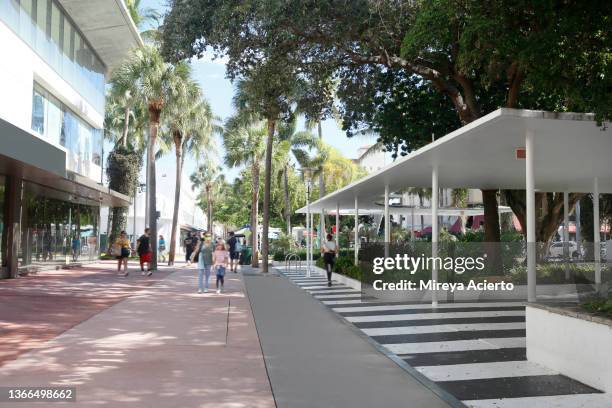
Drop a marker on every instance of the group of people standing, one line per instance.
(217, 257)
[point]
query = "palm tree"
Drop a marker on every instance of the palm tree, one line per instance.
(244, 143)
(206, 177)
(292, 145)
(158, 85)
(422, 193)
(145, 18)
(190, 125)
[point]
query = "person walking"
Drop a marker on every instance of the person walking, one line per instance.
(204, 250)
(220, 262)
(143, 248)
(121, 249)
(76, 245)
(234, 251)
(329, 251)
(161, 248)
(188, 243)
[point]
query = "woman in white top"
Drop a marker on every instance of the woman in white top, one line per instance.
(329, 250)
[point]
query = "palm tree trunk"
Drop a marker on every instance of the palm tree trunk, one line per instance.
(254, 213)
(126, 126)
(209, 204)
(154, 115)
(178, 146)
(266, 204)
(287, 203)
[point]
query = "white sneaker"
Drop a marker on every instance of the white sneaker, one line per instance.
(205, 290)
(218, 291)
(142, 273)
(199, 290)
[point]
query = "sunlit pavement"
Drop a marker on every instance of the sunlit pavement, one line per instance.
(136, 341)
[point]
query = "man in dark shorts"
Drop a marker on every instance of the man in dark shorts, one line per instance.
(188, 242)
(234, 251)
(143, 248)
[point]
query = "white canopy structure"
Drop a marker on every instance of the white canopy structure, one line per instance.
(506, 149)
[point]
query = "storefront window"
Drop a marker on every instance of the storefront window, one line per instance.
(2, 229)
(56, 232)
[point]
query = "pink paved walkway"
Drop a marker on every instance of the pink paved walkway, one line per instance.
(163, 346)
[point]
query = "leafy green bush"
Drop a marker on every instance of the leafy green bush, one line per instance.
(598, 306)
(555, 274)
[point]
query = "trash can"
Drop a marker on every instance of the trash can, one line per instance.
(245, 255)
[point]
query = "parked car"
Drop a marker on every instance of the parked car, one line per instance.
(556, 250)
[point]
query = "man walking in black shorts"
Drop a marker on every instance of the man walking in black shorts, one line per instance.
(234, 252)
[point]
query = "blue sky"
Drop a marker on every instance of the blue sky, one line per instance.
(219, 90)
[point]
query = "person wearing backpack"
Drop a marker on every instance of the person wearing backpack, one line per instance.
(234, 250)
(143, 248)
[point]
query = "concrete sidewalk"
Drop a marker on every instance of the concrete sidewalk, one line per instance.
(165, 346)
(315, 360)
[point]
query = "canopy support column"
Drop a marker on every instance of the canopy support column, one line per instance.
(412, 223)
(356, 248)
(566, 248)
(596, 234)
(435, 232)
(308, 235)
(531, 221)
(338, 227)
(387, 222)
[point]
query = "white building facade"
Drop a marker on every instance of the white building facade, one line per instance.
(57, 55)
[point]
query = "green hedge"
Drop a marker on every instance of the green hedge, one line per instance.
(599, 306)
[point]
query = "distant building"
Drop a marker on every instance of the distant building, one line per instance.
(371, 158)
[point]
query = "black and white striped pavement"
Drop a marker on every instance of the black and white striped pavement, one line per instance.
(475, 351)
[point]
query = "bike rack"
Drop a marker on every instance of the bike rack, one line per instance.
(296, 260)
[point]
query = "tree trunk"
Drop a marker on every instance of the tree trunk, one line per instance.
(209, 208)
(266, 204)
(119, 221)
(321, 189)
(491, 216)
(178, 146)
(287, 203)
(254, 214)
(126, 126)
(154, 113)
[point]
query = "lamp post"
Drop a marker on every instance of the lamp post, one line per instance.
(307, 172)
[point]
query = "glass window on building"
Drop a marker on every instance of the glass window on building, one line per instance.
(54, 121)
(44, 26)
(56, 25)
(56, 230)
(3, 242)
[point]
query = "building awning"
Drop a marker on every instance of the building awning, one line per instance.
(108, 27)
(570, 151)
(29, 157)
(417, 211)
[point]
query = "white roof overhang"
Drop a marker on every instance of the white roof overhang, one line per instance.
(108, 27)
(570, 151)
